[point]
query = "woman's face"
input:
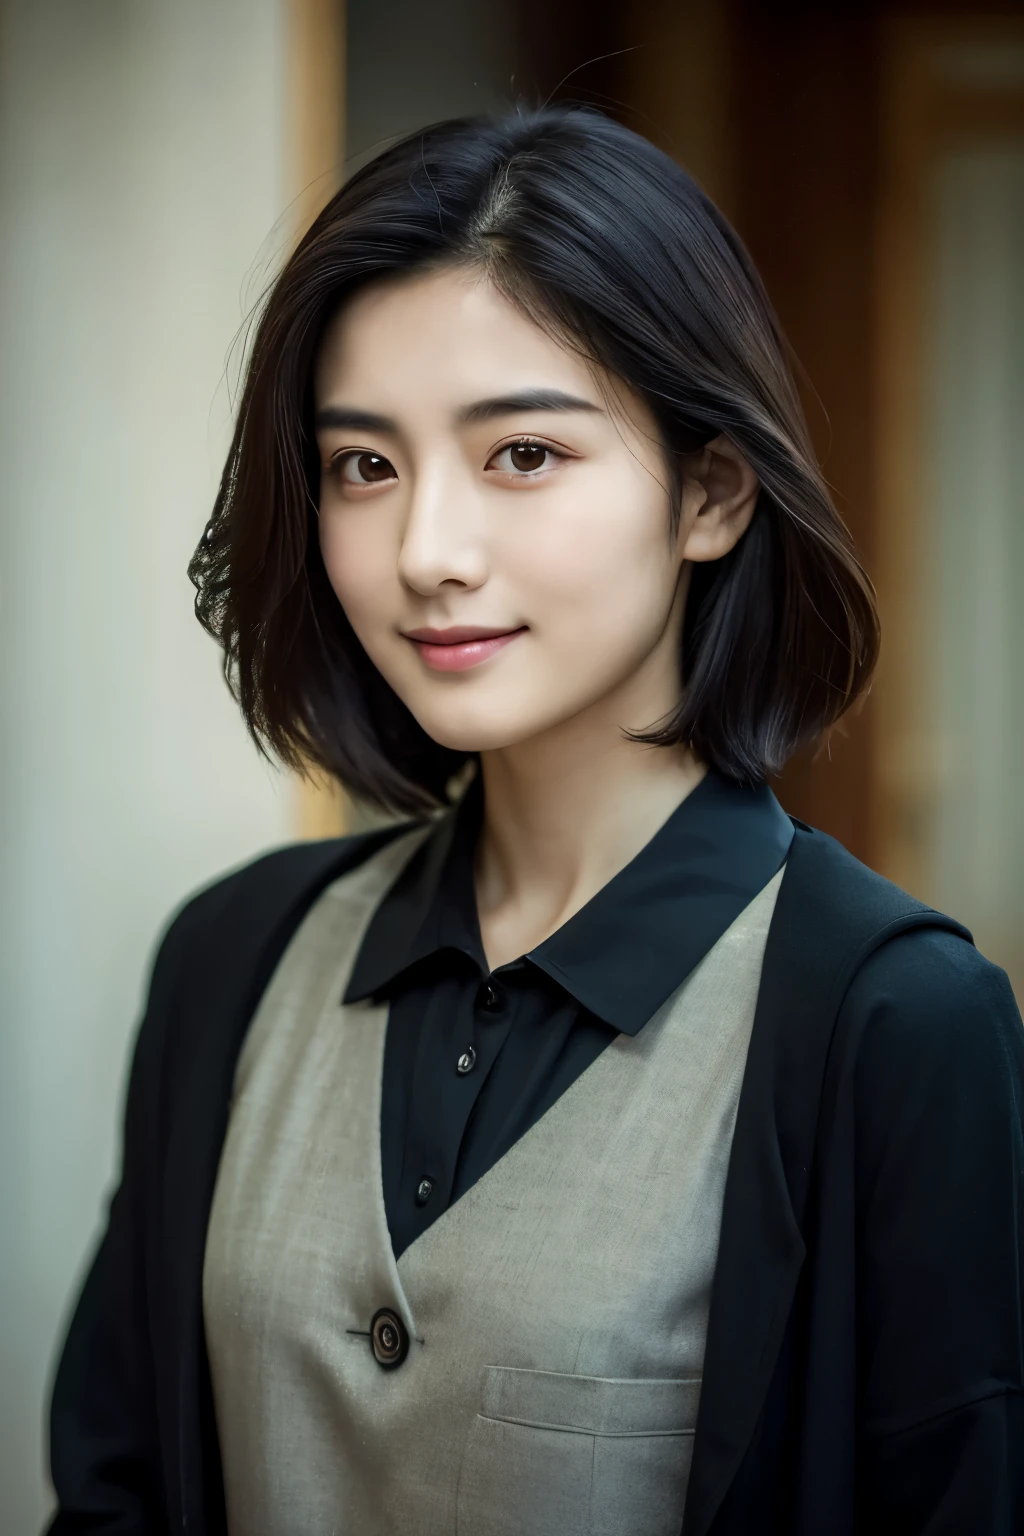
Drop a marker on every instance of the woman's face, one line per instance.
(473, 479)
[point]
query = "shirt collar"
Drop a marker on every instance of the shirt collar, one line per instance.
(624, 952)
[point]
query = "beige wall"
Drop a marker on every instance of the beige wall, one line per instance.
(142, 188)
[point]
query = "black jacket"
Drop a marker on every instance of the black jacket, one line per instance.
(864, 1369)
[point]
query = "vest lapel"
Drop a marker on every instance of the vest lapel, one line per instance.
(831, 913)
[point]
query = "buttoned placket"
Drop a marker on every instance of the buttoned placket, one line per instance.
(485, 1013)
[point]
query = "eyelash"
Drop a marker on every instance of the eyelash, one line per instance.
(337, 463)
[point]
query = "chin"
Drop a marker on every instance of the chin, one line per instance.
(469, 735)
(466, 739)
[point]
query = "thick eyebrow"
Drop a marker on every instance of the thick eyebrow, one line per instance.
(526, 400)
(348, 418)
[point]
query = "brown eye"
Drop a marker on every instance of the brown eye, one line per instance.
(363, 468)
(527, 455)
(523, 459)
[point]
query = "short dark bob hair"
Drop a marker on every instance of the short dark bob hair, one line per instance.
(602, 239)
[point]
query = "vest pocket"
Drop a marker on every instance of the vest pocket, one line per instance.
(558, 1455)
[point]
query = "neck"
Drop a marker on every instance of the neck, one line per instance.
(561, 818)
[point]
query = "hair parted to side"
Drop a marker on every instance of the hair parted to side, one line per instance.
(603, 239)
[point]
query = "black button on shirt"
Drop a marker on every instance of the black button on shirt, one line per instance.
(489, 997)
(531, 1027)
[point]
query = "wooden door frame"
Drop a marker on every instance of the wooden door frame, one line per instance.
(929, 105)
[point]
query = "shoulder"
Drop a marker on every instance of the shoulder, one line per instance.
(889, 989)
(926, 1007)
(215, 956)
(257, 903)
(930, 979)
(905, 975)
(829, 889)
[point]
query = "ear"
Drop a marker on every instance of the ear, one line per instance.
(719, 496)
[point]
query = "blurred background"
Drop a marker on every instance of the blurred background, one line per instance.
(156, 163)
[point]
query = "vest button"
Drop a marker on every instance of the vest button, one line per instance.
(466, 1062)
(423, 1191)
(389, 1338)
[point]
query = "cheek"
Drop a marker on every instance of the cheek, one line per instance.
(360, 567)
(601, 570)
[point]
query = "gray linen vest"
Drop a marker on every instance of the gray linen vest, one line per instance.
(557, 1312)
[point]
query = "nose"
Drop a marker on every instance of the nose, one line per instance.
(444, 538)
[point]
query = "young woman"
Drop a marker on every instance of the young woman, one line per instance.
(595, 1149)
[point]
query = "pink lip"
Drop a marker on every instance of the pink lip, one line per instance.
(456, 656)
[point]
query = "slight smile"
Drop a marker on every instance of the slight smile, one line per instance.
(453, 650)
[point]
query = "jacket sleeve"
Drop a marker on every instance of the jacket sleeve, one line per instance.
(104, 1436)
(939, 1093)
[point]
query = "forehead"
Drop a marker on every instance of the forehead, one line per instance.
(452, 329)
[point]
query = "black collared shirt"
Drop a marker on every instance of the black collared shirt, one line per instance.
(474, 1057)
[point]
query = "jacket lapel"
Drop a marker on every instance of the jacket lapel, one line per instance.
(831, 912)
